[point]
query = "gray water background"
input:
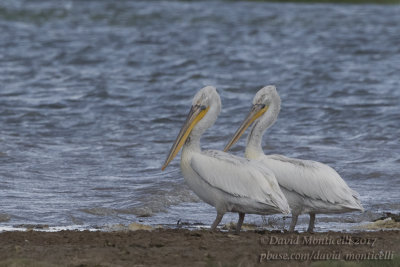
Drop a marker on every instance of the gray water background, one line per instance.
(93, 93)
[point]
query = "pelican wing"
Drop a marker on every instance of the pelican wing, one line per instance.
(239, 177)
(313, 180)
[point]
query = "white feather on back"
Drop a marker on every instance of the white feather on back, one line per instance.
(239, 177)
(313, 180)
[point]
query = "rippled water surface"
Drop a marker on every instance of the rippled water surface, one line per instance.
(93, 93)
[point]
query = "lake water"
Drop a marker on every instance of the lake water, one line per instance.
(93, 93)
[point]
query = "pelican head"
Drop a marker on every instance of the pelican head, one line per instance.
(263, 113)
(206, 106)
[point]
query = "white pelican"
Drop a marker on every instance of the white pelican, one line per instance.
(227, 182)
(309, 186)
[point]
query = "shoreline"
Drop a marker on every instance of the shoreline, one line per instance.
(390, 221)
(182, 247)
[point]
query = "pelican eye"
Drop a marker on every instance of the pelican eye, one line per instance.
(203, 107)
(261, 106)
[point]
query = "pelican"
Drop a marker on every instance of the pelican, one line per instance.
(227, 182)
(309, 186)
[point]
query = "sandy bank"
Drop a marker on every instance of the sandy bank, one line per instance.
(168, 247)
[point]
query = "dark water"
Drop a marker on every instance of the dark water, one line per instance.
(93, 93)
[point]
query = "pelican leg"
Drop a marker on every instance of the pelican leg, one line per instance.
(293, 223)
(311, 224)
(240, 222)
(217, 221)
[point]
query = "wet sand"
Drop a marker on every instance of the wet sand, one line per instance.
(178, 247)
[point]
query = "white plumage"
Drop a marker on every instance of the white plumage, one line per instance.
(250, 187)
(227, 182)
(309, 186)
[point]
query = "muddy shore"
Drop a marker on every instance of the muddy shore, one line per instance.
(170, 247)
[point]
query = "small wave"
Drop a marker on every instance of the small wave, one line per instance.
(33, 226)
(79, 60)
(41, 228)
(162, 120)
(31, 15)
(161, 201)
(99, 93)
(32, 114)
(99, 211)
(52, 106)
